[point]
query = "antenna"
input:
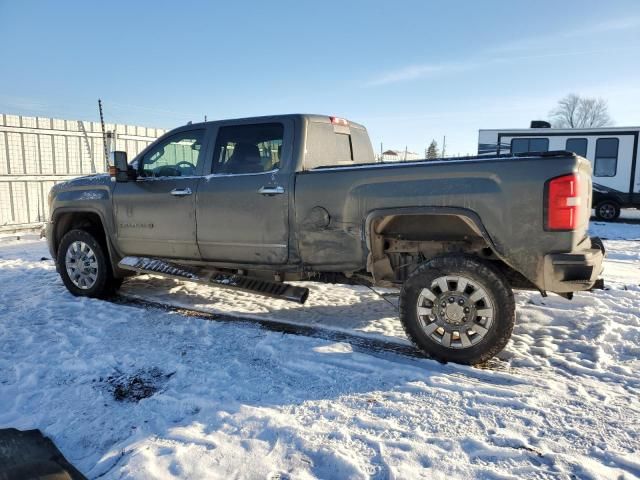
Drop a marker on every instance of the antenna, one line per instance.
(104, 134)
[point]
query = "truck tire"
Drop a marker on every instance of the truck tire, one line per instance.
(84, 266)
(457, 308)
(607, 210)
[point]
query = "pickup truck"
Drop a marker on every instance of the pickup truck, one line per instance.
(256, 202)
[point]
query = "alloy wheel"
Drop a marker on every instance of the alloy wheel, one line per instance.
(82, 265)
(455, 311)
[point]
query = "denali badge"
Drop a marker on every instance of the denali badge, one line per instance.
(136, 225)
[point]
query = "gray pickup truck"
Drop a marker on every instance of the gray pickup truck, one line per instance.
(256, 202)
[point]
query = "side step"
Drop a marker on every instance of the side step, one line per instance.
(165, 268)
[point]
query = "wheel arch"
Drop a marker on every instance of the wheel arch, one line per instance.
(608, 197)
(427, 232)
(88, 219)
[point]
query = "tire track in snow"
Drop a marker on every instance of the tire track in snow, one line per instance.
(360, 343)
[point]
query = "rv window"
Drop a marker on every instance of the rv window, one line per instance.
(519, 145)
(539, 145)
(577, 146)
(606, 162)
(524, 145)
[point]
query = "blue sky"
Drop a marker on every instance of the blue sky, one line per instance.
(409, 70)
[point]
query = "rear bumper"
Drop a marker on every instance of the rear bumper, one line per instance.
(575, 271)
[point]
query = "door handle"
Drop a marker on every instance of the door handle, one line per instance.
(181, 192)
(271, 190)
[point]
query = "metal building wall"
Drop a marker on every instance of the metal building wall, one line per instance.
(38, 152)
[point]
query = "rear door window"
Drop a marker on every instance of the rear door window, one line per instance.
(242, 149)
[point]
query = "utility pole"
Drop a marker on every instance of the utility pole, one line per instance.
(444, 145)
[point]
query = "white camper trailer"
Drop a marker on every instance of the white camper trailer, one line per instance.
(613, 152)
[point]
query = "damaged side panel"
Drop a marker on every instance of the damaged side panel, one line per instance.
(495, 191)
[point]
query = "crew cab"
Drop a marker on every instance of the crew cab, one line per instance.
(256, 202)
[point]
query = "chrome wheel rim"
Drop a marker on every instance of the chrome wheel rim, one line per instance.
(607, 211)
(82, 265)
(455, 311)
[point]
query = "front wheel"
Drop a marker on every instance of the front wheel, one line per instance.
(457, 308)
(84, 265)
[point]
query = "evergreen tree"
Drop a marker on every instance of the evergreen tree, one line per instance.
(432, 151)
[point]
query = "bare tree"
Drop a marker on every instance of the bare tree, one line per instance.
(574, 111)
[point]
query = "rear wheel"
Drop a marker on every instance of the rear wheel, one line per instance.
(84, 265)
(607, 210)
(458, 308)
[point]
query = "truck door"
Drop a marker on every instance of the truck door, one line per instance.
(155, 215)
(242, 209)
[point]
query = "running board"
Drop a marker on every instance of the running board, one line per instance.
(216, 278)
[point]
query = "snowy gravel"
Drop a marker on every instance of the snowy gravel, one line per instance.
(238, 401)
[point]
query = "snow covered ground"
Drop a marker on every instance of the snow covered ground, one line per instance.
(129, 392)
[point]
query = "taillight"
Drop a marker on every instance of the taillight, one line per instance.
(563, 203)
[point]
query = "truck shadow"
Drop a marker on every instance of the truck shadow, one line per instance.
(549, 333)
(352, 309)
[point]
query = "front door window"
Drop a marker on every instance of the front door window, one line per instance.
(176, 156)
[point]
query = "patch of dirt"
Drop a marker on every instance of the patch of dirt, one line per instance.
(133, 387)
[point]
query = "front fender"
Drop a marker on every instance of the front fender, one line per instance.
(81, 196)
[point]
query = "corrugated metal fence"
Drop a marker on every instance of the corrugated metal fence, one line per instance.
(38, 152)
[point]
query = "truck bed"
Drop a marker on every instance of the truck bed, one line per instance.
(467, 158)
(504, 194)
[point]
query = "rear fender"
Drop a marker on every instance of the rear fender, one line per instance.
(388, 230)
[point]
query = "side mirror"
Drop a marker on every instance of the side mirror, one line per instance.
(120, 168)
